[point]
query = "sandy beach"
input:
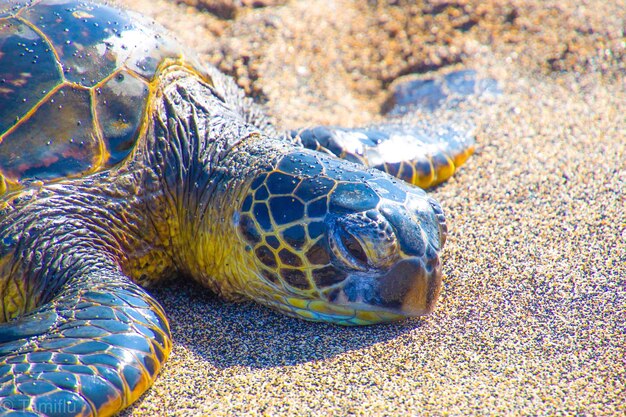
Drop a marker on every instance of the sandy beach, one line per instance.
(532, 316)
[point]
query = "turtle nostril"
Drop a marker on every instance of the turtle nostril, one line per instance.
(354, 247)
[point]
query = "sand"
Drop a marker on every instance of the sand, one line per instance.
(532, 316)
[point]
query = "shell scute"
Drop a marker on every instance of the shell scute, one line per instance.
(57, 141)
(120, 106)
(81, 37)
(75, 82)
(148, 49)
(13, 7)
(28, 70)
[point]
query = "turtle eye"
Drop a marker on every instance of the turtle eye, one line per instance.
(354, 248)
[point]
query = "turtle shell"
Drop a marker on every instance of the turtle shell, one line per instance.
(76, 80)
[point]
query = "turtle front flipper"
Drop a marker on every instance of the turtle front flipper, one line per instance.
(91, 351)
(426, 137)
(423, 155)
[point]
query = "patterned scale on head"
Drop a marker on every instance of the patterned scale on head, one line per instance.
(338, 243)
(124, 161)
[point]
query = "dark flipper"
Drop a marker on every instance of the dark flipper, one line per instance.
(423, 155)
(427, 136)
(445, 92)
(93, 350)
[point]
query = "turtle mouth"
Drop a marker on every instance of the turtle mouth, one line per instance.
(409, 289)
(346, 315)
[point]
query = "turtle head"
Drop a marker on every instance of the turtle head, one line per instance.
(333, 241)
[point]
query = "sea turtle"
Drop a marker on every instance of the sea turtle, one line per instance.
(123, 161)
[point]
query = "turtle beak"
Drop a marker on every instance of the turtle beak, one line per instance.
(409, 289)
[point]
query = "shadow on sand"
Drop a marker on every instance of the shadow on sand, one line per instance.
(247, 334)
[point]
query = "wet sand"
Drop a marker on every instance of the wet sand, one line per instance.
(532, 316)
